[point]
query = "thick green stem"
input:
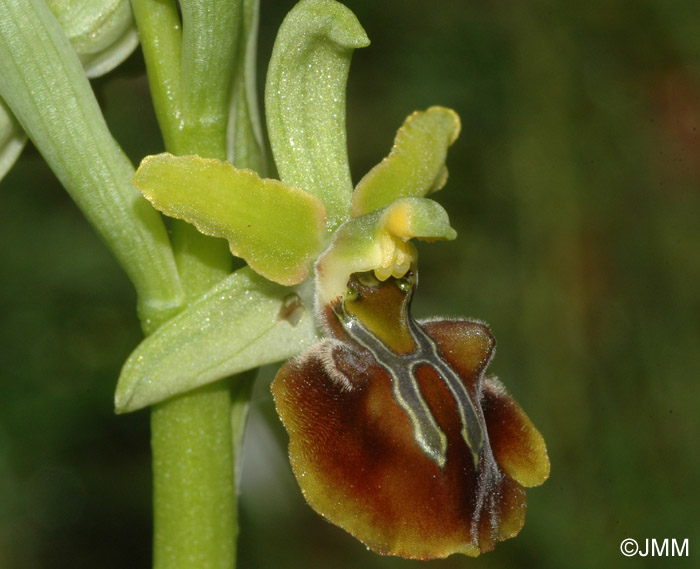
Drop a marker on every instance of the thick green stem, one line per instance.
(193, 481)
(190, 66)
(209, 44)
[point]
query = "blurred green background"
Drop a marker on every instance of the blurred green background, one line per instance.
(575, 189)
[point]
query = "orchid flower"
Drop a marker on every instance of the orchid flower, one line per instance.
(396, 432)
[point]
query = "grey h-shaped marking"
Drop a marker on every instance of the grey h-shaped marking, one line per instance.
(402, 370)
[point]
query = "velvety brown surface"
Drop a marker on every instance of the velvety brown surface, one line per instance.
(355, 458)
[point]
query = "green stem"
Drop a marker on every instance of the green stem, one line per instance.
(194, 492)
(160, 31)
(190, 67)
(209, 44)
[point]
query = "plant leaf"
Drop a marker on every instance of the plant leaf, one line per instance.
(277, 229)
(44, 85)
(243, 322)
(305, 101)
(415, 166)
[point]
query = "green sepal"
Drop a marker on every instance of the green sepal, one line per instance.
(305, 101)
(415, 166)
(102, 32)
(12, 139)
(243, 322)
(378, 241)
(276, 228)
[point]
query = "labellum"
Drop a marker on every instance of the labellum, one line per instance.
(397, 436)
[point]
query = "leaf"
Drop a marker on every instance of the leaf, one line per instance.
(305, 101)
(277, 229)
(44, 85)
(243, 322)
(415, 166)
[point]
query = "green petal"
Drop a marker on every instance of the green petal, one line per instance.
(102, 32)
(415, 166)
(12, 139)
(243, 322)
(305, 101)
(277, 229)
(377, 241)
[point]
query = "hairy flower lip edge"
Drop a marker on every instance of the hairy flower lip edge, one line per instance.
(511, 526)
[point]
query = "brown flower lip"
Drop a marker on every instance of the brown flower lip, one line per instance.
(398, 437)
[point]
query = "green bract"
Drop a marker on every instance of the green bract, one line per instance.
(242, 323)
(102, 32)
(210, 32)
(38, 67)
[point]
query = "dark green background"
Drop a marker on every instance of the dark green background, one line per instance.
(575, 189)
